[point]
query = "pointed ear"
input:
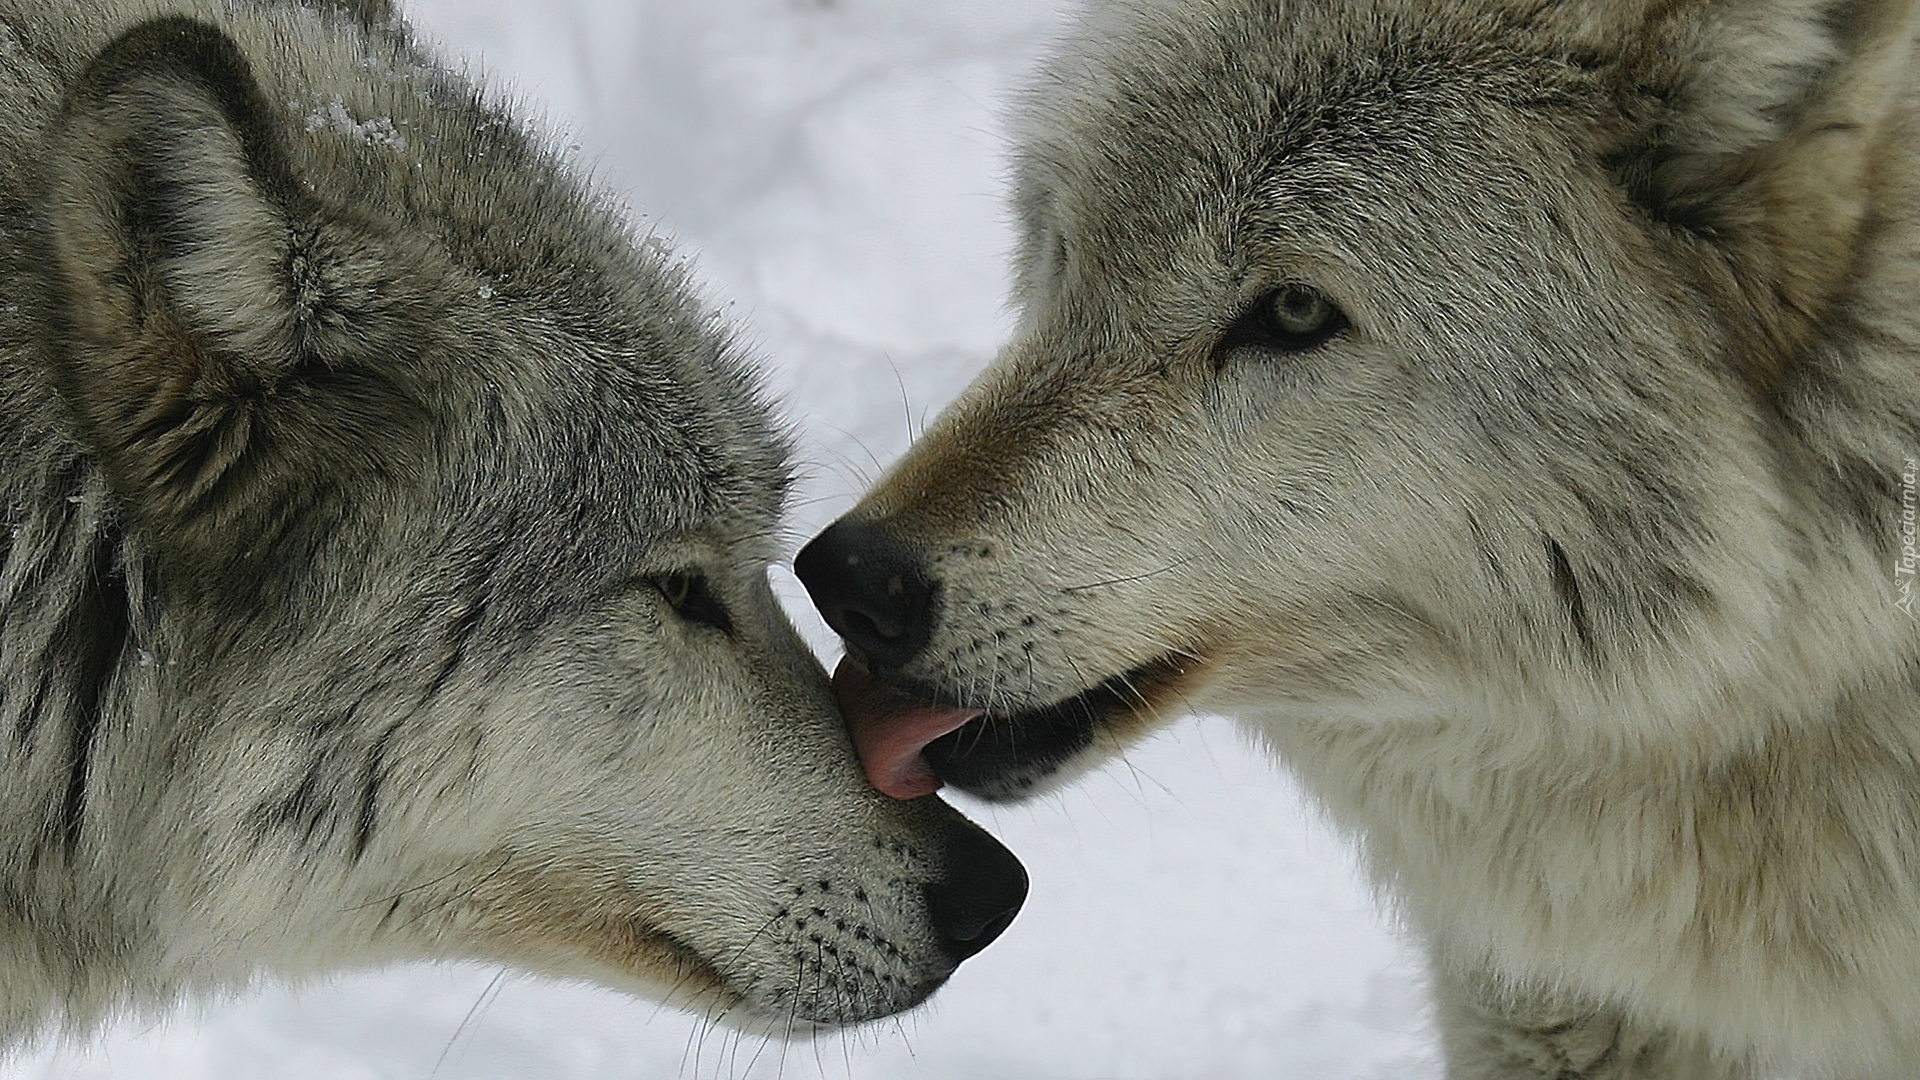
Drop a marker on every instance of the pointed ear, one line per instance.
(174, 208)
(185, 247)
(1762, 129)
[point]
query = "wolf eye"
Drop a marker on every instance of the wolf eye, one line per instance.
(1292, 318)
(687, 593)
(1298, 311)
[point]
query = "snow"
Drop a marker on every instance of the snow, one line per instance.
(334, 115)
(837, 168)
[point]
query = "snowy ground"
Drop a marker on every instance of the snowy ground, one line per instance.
(836, 164)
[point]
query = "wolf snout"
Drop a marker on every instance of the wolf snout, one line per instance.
(977, 896)
(871, 588)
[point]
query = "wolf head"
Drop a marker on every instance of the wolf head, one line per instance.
(393, 569)
(1380, 361)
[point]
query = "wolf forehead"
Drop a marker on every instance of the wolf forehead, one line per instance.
(636, 382)
(1234, 90)
(1240, 116)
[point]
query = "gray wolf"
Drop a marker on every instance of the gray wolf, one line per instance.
(1509, 411)
(384, 571)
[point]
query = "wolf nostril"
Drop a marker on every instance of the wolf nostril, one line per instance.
(871, 590)
(980, 893)
(860, 624)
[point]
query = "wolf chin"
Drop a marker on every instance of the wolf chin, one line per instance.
(1507, 411)
(384, 564)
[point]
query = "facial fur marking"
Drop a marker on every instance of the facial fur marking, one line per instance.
(1484, 546)
(338, 790)
(1566, 585)
(374, 777)
(476, 589)
(98, 630)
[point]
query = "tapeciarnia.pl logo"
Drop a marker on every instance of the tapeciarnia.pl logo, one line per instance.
(1903, 571)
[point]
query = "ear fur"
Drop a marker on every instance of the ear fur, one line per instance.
(187, 250)
(175, 199)
(368, 13)
(1759, 126)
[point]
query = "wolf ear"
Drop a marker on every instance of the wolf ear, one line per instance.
(1760, 126)
(186, 251)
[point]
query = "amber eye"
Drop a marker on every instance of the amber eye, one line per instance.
(1292, 318)
(687, 593)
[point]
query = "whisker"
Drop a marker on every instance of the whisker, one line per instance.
(476, 1009)
(878, 465)
(1124, 580)
(905, 405)
(819, 966)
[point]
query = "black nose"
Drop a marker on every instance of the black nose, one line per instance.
(871, 589)
(979, 895)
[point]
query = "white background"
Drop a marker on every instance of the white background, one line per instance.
(837, 167)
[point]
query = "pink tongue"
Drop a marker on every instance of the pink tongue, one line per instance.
(889, 731)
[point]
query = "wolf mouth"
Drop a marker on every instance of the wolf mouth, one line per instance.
(1001, 755)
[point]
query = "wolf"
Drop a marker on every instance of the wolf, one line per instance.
(1508, 410)
(384, 571)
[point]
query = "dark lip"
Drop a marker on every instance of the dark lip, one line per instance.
(1004, 755)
